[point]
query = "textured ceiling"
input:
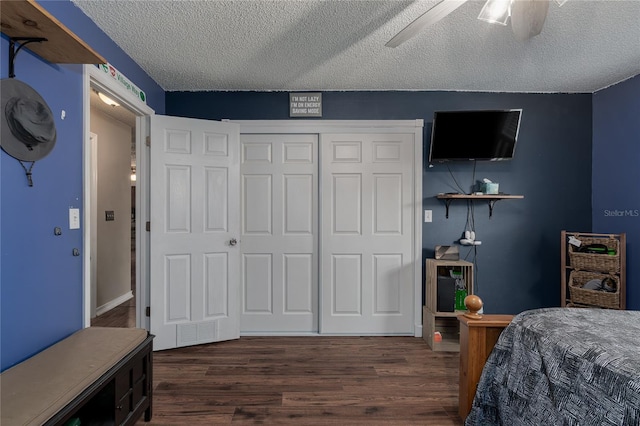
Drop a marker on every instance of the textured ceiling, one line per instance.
(293, 45)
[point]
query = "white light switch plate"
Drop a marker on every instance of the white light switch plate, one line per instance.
(428, 216)
(74, 218)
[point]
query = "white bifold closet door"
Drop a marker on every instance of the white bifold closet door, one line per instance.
(279, 247)
(367, 233)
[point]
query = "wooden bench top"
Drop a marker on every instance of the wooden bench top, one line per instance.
(34, 390)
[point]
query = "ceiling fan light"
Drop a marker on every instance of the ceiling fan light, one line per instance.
(495, 12)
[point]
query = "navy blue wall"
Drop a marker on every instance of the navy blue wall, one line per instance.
(518, 263)
(40, 281)
(616, 175)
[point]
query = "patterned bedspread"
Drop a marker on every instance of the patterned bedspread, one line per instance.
(563, 366)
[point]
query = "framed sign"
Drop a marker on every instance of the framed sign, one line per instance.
(305, 104)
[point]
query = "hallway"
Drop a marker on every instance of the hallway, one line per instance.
(123, 315)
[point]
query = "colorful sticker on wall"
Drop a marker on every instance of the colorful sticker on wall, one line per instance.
(125, 82)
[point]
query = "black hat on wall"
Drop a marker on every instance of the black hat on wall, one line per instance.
(28, 128)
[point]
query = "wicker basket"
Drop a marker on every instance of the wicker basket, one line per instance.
(596, 262)
(583, 296)
(577, 305)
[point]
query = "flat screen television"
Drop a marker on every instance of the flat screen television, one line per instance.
(488, 135)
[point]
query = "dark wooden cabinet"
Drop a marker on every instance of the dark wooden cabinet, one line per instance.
(119, 397)
(132, 390)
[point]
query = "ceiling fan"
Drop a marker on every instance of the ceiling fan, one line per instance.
(527, 17)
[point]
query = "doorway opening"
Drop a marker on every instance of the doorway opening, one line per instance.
(113, 212)
(115, 284)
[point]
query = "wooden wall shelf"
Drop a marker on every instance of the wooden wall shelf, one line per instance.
(26, 18)
(490, 198)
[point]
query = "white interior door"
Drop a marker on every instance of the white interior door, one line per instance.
(279, 233)
(194, 262)
(367, 217)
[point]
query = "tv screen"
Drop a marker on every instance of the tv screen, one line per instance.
(474, 135)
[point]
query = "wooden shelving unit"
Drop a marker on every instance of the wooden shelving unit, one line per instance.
(490, 198)
(434, 319)
(27, 19)
(614, 266)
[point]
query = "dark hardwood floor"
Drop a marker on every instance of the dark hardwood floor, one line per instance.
(306, 381)
(123, 315)
(312, 380)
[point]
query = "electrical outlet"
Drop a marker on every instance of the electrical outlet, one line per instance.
(428, 216)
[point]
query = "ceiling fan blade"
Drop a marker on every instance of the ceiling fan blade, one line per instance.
(430, 17)
(527, 17)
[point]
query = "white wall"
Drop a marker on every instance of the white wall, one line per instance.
(114, 193)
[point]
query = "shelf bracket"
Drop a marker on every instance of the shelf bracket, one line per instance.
(20, 42)
(491, 203)
(447, 203)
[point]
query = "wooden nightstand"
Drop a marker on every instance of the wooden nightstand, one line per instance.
(477, 338)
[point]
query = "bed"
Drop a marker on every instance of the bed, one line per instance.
(562, 366)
